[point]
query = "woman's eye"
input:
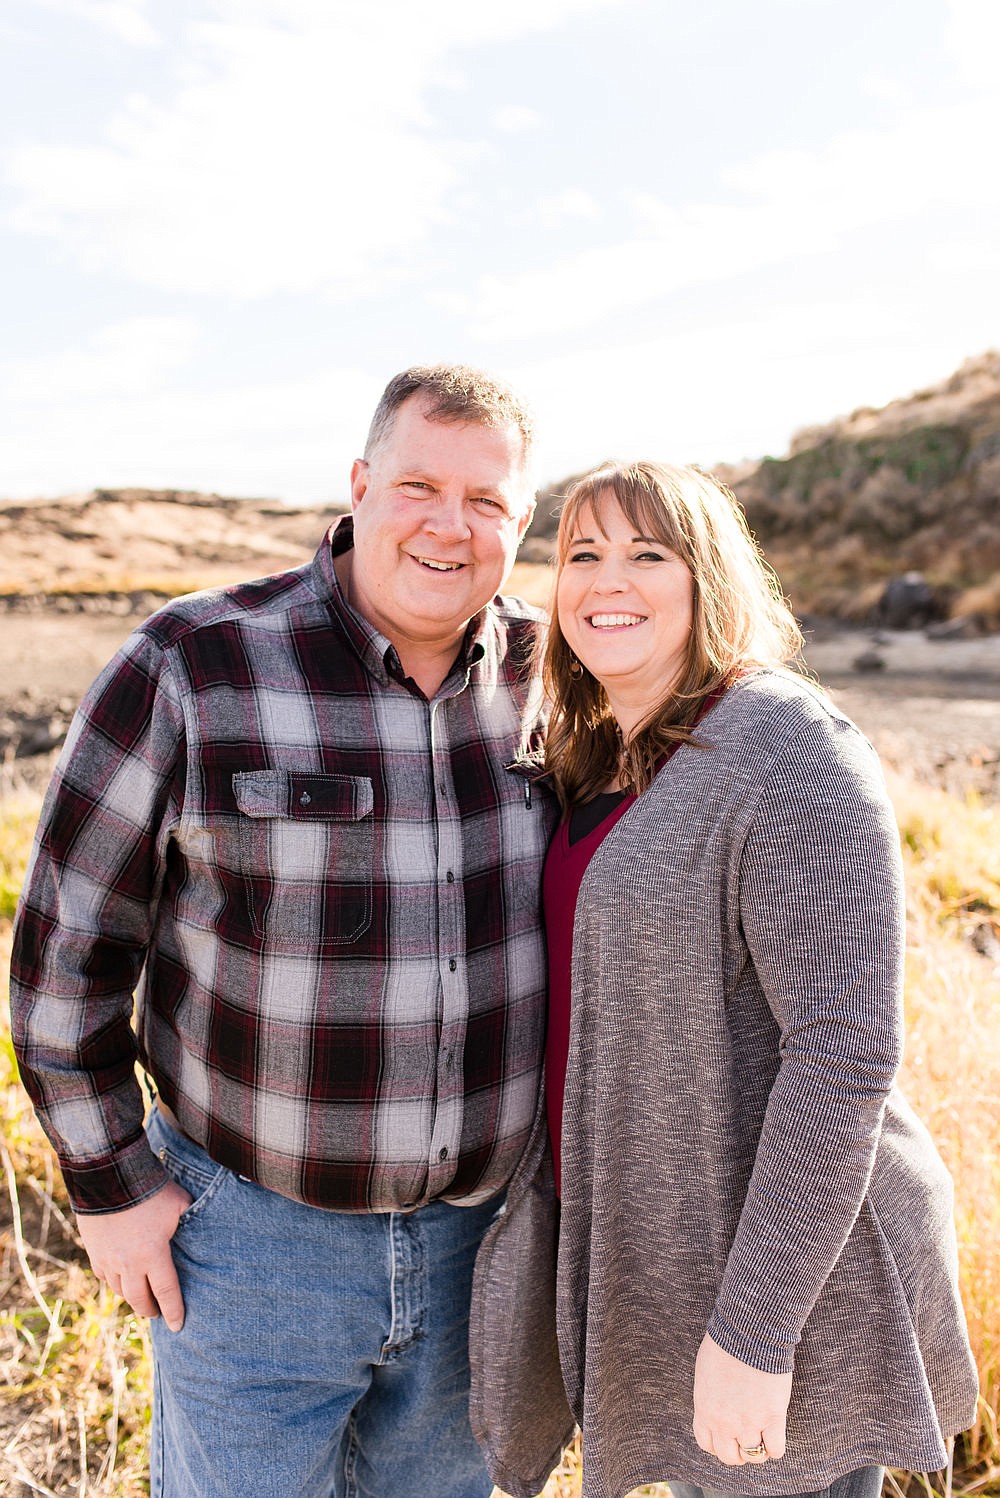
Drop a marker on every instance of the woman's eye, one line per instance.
(581, 556)
(650, 556)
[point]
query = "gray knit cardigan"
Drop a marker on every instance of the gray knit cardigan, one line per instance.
(737, 1158)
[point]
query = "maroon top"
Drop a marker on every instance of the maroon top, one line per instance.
(565, 867)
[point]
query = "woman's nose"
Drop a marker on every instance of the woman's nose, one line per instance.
(610, 577)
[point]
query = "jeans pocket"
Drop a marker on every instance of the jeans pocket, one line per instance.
(187, 1164)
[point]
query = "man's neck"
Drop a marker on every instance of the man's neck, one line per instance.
(429, 672)
(427, 663)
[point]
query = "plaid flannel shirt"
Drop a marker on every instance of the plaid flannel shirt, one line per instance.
(326, 888)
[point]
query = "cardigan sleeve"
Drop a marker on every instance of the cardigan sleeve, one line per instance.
(821, 904)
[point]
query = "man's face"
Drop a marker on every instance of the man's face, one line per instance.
(438, 514)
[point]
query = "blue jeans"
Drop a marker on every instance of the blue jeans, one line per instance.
(865, 1483)
(323, 1354)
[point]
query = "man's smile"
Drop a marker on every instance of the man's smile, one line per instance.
(439, 566)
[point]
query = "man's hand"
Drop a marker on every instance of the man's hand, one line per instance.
(738, 1406)
(130, 1252)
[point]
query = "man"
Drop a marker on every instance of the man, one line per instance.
(299, 814)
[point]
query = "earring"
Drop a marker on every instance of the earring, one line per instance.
(575, 669)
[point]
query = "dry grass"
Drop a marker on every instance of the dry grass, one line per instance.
(952, 1071)
(74, 1365)
(531, 581)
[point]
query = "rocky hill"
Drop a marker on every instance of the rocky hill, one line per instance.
(914, 486)
(126, 541)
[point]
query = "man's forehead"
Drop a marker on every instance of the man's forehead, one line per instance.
(504, 460)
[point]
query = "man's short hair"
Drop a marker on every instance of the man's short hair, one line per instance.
(452, 392)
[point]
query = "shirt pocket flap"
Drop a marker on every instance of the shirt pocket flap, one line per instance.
(302, 796)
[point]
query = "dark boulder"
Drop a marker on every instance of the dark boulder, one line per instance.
(908, 602)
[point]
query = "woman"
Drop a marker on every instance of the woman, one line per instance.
(756, 1265)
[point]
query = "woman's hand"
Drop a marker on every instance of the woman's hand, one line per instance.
(736, 1406)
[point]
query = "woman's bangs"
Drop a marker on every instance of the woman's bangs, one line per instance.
(644, 504)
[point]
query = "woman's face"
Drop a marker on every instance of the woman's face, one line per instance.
(626, 609)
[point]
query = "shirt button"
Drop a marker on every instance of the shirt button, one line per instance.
(450, 877)
(452, 964)
(442, 1154)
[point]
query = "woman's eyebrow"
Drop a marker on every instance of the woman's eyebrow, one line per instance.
(590, 540)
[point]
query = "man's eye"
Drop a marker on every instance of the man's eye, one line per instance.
(487, 503)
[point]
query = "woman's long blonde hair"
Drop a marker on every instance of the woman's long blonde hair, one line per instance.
(740, 621)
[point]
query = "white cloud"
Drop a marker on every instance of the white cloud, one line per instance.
(128, 358)
(672, 249)
(257, 178)
(963, 257)
(885, 88)
(516, 119)
(779, 207)
(571, 203)
(125, 19)
(973, 36)
(295, 154)
(292, 440)
(713, 395)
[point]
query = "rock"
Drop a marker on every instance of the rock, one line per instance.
(908, 602)
(869, 660)
(963, 627)
(986, 940)
(23, 735)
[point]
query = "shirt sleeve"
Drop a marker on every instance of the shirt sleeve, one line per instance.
(84, 923)
(822, 911)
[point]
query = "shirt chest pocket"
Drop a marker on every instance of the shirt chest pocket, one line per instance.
(306, 851)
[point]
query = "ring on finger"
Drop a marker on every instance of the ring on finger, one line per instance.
(751, 1453)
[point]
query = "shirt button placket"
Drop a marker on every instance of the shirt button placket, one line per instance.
(451, 936)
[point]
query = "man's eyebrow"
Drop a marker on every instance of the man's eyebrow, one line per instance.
(425, 476)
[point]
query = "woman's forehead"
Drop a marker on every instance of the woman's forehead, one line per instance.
(647, 516)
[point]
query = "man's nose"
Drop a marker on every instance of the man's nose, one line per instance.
(447, 518)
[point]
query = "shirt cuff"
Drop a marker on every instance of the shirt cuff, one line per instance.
(766, 1357)
(131, 1177)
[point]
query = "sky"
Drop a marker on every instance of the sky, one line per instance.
(684, 231)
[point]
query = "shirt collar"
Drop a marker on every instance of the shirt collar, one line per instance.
(377, 654)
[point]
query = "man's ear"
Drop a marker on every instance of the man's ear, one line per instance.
(525, 521)
(359, 481)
